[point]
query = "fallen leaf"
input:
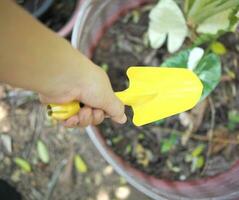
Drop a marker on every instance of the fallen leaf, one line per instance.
(7, 142)
(15, 177)
(197, 163)
(105, 67)
(103, 195)
(136, 16)
(218, 48)
(122, 192)
(98, 178)
(43, 152)
(23, 164)
(198, 150)
(3, 111)
(80, 164)
(198, 113)
(108, 170)
(219, 133)
(143, 156)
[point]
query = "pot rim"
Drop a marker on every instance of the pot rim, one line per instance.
(67, 28)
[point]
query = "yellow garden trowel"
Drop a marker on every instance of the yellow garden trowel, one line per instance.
(154, 93)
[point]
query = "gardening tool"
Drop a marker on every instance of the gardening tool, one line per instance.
(154, 93)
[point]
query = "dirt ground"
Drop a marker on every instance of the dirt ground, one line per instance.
(23, 121)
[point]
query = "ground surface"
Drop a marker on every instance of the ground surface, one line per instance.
(23, 121)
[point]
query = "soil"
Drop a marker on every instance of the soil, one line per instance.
(59, 14)
(124, 45)
(23, 120)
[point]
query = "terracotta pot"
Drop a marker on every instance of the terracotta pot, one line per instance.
(94, 18)
(66, 30)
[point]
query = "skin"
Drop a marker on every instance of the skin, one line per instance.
(35, 58)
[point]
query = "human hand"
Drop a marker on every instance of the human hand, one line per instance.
(92, 88)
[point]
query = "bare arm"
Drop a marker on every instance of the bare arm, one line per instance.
(35, 58)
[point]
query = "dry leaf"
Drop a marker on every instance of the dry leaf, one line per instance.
(220, 133)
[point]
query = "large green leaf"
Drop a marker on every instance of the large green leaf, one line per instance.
(208, 69)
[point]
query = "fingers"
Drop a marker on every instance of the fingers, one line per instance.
(115, 109)
(98, 116)
(87, 116)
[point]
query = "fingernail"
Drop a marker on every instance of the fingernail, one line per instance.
(123, 119)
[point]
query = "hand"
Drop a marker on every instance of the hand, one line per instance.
(92, 88)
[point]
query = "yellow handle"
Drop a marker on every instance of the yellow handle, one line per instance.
(63, 111)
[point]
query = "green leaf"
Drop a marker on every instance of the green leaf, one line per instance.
(188, 158)
(128, 149)
(105, 67)
(141, 136)
(208, 69)
(43, 152)
(167, 22)
(117, 139)
(136, 16)
(197, 163)
(23, 164)
(218, 48)
(159, 122)
(215, 23)
(198, 150)
(168, 144)
(80, 165)
(233, 119)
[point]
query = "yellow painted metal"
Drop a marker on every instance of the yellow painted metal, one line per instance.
(159, 92)
(154, 93)
(63, 111)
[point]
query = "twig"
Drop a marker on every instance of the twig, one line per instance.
(54, 179)
(36, 132)
(205, 138)
(215, 140)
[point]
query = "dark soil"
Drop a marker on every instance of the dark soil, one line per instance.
(59, 14)
(125, 45)
(56, 16)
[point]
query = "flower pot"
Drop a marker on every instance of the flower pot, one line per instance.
(43, 9)
(67, 28)
(94, 18)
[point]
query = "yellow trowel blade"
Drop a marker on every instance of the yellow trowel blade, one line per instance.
(159, 92)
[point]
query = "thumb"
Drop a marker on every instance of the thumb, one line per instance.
(115, 109)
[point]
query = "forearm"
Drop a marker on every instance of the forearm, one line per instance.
(32, 56)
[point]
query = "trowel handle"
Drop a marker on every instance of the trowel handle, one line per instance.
(67, 110)
(63, 111)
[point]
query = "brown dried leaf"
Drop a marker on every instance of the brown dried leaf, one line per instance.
(222, 134)
(198, 113)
